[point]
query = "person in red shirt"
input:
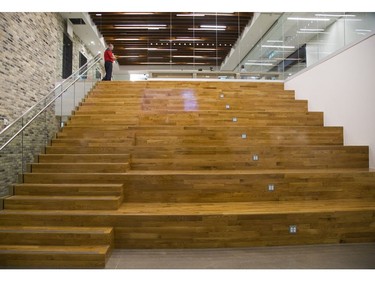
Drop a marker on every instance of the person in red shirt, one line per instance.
(109, 58)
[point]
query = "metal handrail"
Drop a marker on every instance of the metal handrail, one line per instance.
(50, 93)
(93, 61)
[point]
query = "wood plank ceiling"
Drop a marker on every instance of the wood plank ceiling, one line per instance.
(171, 38)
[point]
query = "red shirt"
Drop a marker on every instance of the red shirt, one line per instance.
(108, 56)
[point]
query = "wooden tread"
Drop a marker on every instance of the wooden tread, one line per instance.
(80, 167)
(27, 256)
(84, 158)
(68, 189)
(55, 235)
(29, 202)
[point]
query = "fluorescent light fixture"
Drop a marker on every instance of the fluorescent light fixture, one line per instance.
(220, 14)
(204, 49)
(259, 63)
(135, 13)
(209, 58)
(204, 14)
(188, 56)
(278, 46)
(188, 39)
(194, 63)
(332, 15)
(127, 39)
(275, 41)
(309, 19)
(190, 15)
(138, 48)
(208, 29)
(141, 26)
(214, 26)
(169, 50)
(98, 15)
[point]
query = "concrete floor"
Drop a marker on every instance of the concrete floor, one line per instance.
(337, 256)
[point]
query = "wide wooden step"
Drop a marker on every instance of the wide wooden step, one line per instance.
(215, 135)
(235, 176)
(204, 119)
(225, 186)
(93, 142)
(296, 106)
(68, 189)
(193, 103)
(31, 202)
(151, 86)
(84, 158)
(108, 149)
(230, 224)
(251, 157)
(56, 236)
(235, 93)
(79, 167)
(117, 134)
(245, 224)
(31, 256)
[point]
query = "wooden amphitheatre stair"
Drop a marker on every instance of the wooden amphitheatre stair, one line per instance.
(158, 164)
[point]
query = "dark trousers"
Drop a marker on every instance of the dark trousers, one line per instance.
(108, 71)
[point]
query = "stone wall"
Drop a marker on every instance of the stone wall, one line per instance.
(30, 65)
(31, 58)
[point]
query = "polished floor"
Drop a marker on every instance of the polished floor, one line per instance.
(337, 256)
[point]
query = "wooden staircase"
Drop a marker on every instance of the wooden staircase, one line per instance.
(187, 165)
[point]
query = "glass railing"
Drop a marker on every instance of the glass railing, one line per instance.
(299, 40)
(27, 136)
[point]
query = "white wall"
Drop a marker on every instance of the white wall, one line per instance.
(343, 87)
